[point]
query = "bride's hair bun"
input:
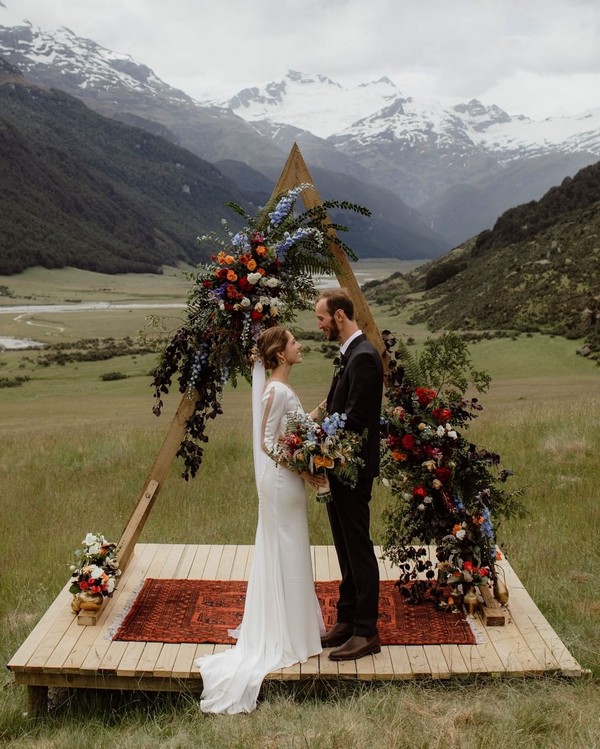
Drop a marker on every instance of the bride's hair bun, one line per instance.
(271, 342)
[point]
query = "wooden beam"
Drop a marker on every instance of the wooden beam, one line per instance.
(295, 172)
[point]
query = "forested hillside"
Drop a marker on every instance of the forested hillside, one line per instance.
(83, 190)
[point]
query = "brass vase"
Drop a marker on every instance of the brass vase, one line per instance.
(500, 591)
(90, 601)
(470, 600)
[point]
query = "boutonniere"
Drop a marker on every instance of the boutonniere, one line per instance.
(339, 364)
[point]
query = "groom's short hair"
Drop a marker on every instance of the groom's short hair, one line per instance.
(338, 299)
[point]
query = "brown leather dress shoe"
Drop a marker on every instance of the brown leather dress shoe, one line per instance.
(337, 635)
(356, 647)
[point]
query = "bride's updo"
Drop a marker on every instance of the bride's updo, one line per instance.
(271, 342)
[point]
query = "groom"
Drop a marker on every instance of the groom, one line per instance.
(356, 390)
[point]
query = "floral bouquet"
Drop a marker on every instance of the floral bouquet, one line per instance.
(310, 446)
(96, 567)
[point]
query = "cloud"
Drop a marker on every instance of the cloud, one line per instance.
(524, 52)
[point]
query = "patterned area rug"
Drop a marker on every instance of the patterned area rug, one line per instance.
(199, 611)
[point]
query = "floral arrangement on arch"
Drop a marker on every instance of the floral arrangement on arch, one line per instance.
(258, 277)
(447, 491)
(96, 567)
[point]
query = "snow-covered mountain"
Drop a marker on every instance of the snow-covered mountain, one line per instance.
(378, 110)
(459, 166)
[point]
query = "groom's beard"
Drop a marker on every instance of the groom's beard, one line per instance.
(332, 332)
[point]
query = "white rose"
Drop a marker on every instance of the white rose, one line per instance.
(461, 534)
(95, 571)
(110, 584)
(245, 302)
(452, 434)
(253, 278)
(272, 282)
(440, 431)
(264, 300)
(89, 539)
(258, 307)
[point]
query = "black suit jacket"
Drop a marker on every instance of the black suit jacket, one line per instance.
(358, 392)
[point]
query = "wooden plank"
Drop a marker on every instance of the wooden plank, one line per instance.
(185, 563)
(238, 568)
(401, 662)
(197, 567)
(166, 660)
(419, 665)
(513, 650)
(453, 656)
(438, 666)
(226, 563)
(212, 563)
(321, 563)
(127, 666)
(148, 659)
(183, 667)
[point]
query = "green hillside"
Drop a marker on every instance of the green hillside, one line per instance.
(82, 190)
(538, 269)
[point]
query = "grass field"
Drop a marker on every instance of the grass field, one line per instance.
(75, 451)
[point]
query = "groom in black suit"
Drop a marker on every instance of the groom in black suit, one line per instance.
(356, 390)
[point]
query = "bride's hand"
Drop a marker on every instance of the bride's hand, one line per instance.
(319, 412)
(314, 480)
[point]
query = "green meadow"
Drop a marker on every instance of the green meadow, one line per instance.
(75, 450)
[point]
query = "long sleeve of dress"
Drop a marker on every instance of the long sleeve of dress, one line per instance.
(274, 409)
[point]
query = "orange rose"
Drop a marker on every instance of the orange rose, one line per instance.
(231, 275)
(261, 271)
(261, 250)
(397, 455)
(251, 264)
(321, 461)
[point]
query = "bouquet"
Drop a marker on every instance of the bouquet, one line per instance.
(96, 567)
(310, 446)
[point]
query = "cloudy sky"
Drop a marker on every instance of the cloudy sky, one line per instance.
(536, 57)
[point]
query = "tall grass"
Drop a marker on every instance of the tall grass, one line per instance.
(74, 453)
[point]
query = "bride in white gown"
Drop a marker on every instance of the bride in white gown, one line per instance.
(282, 622)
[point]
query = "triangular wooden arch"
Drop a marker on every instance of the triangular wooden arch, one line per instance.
(295, 172)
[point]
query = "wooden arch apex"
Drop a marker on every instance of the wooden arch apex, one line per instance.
(294, 173)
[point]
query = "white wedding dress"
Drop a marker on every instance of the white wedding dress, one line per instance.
(282, 622)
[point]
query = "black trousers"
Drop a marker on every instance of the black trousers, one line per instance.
(349, 517)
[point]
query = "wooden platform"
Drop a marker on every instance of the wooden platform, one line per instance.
(61, 653)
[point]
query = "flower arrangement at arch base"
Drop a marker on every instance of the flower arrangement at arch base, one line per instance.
(258, 277)
(94, 573)
(447, 492)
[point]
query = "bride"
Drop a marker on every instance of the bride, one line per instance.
(282, 622)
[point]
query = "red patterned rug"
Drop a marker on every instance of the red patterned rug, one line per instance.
(203, 610)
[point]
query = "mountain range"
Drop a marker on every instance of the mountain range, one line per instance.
(444, 173)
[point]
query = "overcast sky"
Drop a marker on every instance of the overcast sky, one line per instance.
(536, 57)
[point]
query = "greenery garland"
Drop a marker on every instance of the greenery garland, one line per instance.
(260, 277)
